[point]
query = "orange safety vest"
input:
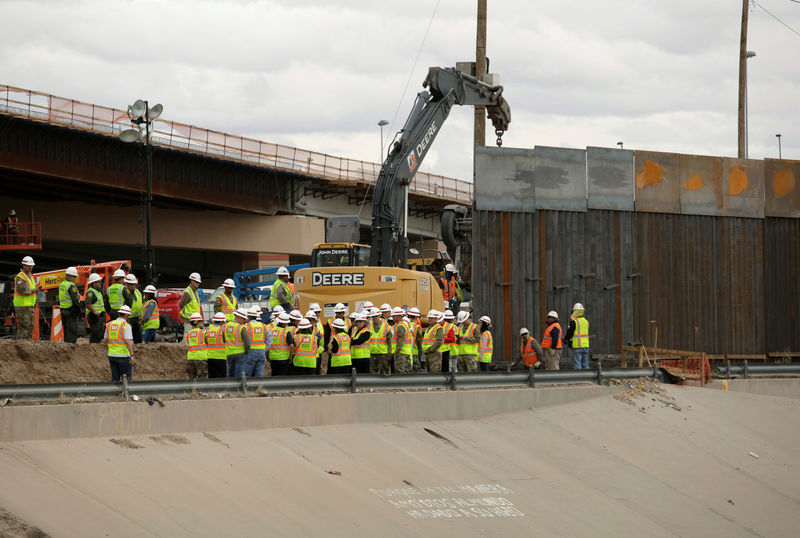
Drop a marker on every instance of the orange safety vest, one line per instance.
(449, 287)
(547, 341)
(528, 352)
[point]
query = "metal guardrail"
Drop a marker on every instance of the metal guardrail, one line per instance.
(330, 383)
(108, 121)
(759, 370)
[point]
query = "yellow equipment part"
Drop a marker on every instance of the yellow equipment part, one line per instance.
(355, 285)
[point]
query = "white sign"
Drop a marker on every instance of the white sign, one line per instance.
(337, 279)
(387, 278)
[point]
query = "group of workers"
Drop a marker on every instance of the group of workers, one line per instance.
(548, 352)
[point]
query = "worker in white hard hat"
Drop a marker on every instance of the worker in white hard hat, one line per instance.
(25, 288)
(451, 290)
(119, 337)
(197, 356)
(402, 342)
(319, 335)
(380, 343)
(466, 347)
(339, 312)
(189, 302)
(551, 341)
(315, 307)
(528, 350)
(486, 347)
(386, 313)
(360, 343)
(577, 338)
(281, 293)
(416, 338)
(367, 305)
(260, 340)
(304, 349)
(69, 303)
(136, 305)
(95, 308)
(432, 340)
(279, 352)
(226, 301)
(151, 320)
(237, 343)
(449, 340)
(116, 293)
(215, 347)
(9, 229)
(341, 361)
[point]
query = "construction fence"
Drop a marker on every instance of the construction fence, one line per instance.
(677, 251)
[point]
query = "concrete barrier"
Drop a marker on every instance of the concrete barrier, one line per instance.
(41, 422)
(786, 388)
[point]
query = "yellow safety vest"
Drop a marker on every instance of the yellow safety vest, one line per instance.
(446, 327)
(215, 343)
(360, 351)
(28, 299)
(64, 299)
(197, 345)
(342, 356)
(229, 305)
(234, 345)
(116, 338)
(273, 302)
(416, 327)
(580, 339)
(377, 339)
(98, 306)
(429, 337)
(319, 332)
(136, 305)
(467, 348)
(279, 350)
(115, 299)
(154, 321)
(258, 334)
(405, 345)
(305, 355)
(193, 306)
(487, 347)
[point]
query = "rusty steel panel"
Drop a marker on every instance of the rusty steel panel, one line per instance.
(504, 179)
(700, 185)
(657, 182)
(782, 284)
(609, 174)
(782, 188)
(560, 177)
(743, 187)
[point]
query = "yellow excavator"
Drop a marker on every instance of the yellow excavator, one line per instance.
(351, 273)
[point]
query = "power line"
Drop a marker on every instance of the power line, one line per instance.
(768, 12)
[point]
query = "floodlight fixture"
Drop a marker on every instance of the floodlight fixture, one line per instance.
(138, 108)
(130, 135)
(155, 111)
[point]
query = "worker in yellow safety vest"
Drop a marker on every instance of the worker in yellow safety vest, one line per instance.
(25, 288)
(95, 308)
(279, 352)
(304, 349)
(401, 342)
(116, 293)
(339, 348)
(151, 320)
(237, 343)
(119, 338)
(69, 303)
(379, 343)
(281, 293)
(432, 341)
(260, 340)
(416, 338)
(215, 347)
(136, 307)
(226, 301)
(577, 338)
(467, 341)
(196, 357)
(360, 344)
(319, 333)
(189, 302)
(487, 344)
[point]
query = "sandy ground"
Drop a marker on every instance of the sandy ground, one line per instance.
(652, 461)
(59, 362)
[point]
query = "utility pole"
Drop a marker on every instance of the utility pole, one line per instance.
(743, 78)
(480, 71)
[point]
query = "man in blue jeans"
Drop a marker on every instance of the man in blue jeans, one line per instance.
(237, 343)
(577, 338)
(119, 338)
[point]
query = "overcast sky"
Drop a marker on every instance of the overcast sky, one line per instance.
(658, 75)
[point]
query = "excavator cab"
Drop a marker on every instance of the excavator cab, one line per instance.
(340, 255)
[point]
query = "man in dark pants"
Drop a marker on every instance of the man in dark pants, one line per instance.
(119, 338)
(95, 308)
(70, 304)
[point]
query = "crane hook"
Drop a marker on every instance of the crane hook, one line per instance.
(499, 134)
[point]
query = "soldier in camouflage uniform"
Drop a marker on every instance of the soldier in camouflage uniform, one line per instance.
(432, 340)
(25, 289)
(467, 339)
(401, 342)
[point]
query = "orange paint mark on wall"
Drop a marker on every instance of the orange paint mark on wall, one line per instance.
(784, 182)
(737, 182)
(651, 175)
(695, 183)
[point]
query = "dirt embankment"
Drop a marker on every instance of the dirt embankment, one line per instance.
(24, 361)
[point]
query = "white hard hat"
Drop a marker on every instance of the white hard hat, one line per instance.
(552, 314)
(315, 307)
(278, 309)
(523, 331)
(94, 277)
(150, 289)
(304, 324)
(433, 314)
(339, 323)
(386, 307)
(131, 279)
(219, 316)
(27, 260)
(197, 316)
(339, 308)
(361, 317)
(578, 306)
(413, 311)
(450, 268)
(119, 273)
(486, 319)
(241, 313)
(195, 277)
(374, 312)
(397, 311)
(448, 314)
(254, 311)
(353, 315)
(229, 283)
(283, 318)
(405, 318)
(311, 314)
(71, 271)
(462, 316)
(12, 212)
(295, 315)
(367, 304)
(124, 310)
(282, 271)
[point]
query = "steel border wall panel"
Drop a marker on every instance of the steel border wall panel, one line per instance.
(657, 182)
(560, 178)
(700, 181)
(609, 177)
(504, 179)
(743, 187)
(782, 188)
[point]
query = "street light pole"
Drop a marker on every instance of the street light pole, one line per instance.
(382, 124)
(749, 54)
(779, 146)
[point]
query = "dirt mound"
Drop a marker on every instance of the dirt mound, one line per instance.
(24, 361)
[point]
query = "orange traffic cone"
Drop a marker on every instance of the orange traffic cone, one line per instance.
(56, 328)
